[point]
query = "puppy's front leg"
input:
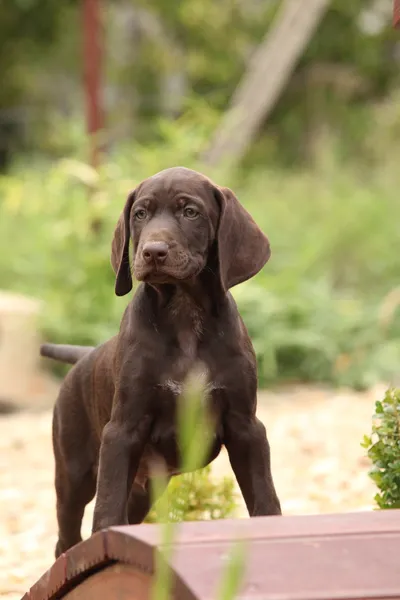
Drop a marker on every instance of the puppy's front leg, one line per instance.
(122, 444)
(249, 455)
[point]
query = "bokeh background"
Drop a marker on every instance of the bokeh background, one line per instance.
(320, 172)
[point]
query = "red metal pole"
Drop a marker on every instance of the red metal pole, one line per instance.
(92, 52)
(396, 13)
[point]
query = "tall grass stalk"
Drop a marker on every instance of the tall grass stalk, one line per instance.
(195, 438)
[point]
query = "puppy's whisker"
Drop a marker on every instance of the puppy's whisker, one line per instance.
(209, 269)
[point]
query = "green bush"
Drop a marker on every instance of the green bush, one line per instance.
(197, 497)
(383, 448)
(326, 306)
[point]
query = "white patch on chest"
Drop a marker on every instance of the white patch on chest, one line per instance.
(177, 388)
(199, 375)
(172, 386)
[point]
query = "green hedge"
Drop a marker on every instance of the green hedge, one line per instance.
(383, 447)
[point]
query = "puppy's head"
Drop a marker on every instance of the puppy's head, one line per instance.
(178, 221)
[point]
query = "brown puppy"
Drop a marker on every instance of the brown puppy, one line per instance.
(116, 410)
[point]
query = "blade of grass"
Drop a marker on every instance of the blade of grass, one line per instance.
(194, 445)
(161, 589)
(195, 431)
(234, 572)
(194, 423)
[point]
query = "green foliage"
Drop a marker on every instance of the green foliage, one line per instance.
(197, 497)
(234, 573)
(383, 448)
(34, 35)
(318, 333)
(214, 40)
(197, 49)
(22, 31)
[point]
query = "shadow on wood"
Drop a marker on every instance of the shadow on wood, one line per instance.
(344, 556)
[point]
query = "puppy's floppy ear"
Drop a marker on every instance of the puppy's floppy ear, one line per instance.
(243, 249)
(120, 250)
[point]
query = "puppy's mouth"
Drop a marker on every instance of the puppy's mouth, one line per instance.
(165, 273)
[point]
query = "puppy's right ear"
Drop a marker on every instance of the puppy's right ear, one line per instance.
(120, 250)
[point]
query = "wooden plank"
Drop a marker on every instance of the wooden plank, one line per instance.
(265, 79)
(92, 61)
(324, 557)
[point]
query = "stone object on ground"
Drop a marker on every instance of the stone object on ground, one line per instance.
(22, 383)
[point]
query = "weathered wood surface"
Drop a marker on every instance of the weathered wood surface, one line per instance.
(347, 556)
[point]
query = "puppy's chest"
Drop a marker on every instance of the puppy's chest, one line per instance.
(198, 374)
(187, 362)
(187, 356)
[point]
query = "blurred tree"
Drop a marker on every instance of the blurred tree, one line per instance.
(265, 79)
(29, 31)
(351, 62)
(171, 53)
(162, 57)
(199, 48)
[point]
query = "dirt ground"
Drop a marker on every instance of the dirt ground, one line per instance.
(318, 467)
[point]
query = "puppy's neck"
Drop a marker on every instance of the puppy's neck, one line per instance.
(187, 303)
(184, 308)
(191, 294)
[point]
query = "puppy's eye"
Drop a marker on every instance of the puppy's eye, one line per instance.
(140, 214)
(190, 213)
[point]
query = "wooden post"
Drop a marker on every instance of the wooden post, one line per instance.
(92, 74)
(396, 13)
(268, 73)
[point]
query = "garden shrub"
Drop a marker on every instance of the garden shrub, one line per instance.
(198, 496)
(383, 446)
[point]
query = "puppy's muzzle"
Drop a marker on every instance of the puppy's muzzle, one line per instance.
(155, 252)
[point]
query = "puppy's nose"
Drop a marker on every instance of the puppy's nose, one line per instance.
(155, 251)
